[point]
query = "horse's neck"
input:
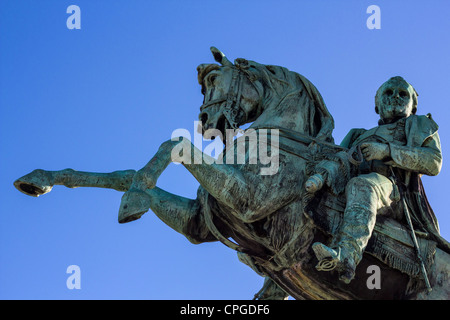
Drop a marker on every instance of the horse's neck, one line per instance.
(292, 111)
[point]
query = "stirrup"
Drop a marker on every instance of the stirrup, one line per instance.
(328, 258)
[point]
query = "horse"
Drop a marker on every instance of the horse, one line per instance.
(264, 213)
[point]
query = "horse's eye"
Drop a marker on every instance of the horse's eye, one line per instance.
(212, 79)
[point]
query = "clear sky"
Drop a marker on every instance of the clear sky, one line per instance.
(104, 97)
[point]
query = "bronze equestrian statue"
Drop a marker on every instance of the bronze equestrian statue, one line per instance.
(313, 217)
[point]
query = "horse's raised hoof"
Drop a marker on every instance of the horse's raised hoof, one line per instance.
(133, 205)
(328, 258)
(36, 183)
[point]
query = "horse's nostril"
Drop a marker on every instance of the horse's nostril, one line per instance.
(203, 117)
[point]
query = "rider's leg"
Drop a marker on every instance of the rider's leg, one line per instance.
(367, 195)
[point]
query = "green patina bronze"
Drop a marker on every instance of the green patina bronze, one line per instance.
(314, 219)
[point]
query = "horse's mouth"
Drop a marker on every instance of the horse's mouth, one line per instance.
(213, 130)
(222, 125)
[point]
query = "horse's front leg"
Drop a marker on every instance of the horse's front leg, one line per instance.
(136, 201)
(217, 179)
(40, 182)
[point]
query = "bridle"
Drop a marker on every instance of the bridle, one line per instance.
(233, 97)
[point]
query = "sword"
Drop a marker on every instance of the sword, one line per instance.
(416, 246)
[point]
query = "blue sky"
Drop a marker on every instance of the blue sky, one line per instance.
(104, 98)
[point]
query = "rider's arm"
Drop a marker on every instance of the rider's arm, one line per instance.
(426, 159)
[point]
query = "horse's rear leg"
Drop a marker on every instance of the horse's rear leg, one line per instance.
(270, 291)
(39, 182)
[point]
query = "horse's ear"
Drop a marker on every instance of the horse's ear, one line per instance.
(220, 57)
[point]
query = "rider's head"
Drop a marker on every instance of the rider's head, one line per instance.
(395, 99)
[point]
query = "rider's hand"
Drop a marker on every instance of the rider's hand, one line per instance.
(375, 151)
(314, 183)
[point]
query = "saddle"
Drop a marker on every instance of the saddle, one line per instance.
(391, 241)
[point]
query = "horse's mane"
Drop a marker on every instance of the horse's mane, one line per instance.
(278, 79)
(282, 81)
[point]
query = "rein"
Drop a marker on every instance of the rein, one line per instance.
(304, 140)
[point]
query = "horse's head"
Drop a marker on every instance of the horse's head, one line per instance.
(232, 94)
(238, 93)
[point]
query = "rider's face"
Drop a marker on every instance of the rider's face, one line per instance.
(396, 100)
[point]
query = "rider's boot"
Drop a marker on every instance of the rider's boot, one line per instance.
(348, 246)
(338, 258)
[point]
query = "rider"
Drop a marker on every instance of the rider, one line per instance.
(396, 153)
